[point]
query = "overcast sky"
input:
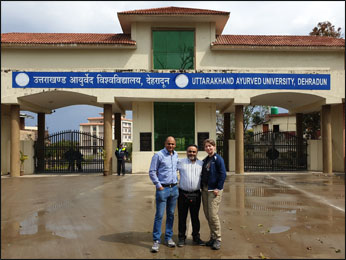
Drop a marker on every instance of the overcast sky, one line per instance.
(246, 18)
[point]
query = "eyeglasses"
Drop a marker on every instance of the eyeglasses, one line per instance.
(189, 151)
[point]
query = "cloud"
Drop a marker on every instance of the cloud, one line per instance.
(247, 17)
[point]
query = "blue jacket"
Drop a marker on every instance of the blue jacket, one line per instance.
(217, 173)
(121, 153)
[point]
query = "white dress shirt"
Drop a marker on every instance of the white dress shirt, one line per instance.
(190, 174)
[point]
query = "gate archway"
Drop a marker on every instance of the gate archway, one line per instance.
(275, 151)
(70, 152)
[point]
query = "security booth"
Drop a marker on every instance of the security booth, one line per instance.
(174, 69)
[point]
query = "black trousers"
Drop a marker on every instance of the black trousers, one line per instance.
(121, 166)
(184, 206)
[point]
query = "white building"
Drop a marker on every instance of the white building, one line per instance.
(278, 123)
(173, 68)
(95, 127)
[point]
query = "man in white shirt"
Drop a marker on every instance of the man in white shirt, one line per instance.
(190, 170)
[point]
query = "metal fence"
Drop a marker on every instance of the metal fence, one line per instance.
(70, 151)
(275, 151)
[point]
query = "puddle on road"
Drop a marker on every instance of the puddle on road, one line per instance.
(278, 229)
(29, 226)
(36, 224)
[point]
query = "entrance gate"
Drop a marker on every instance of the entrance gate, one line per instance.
(70, 151)
(275, 151)
(219, 147)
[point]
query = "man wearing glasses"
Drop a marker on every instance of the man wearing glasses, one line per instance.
(190, 170)
(163, 173)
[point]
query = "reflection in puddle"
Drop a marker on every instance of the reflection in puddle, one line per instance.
(29, 225)
(66, 231)
(279, 229)
(36, 223)
(293, 211)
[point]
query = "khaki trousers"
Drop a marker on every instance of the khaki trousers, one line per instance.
(211, 205)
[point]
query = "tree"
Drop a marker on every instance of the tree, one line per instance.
(311, 121)
(311, 125)
(326, 29)
(252, 115)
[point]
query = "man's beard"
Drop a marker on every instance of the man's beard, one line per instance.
(193, 158)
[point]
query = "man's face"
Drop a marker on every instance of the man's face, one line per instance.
(191, 153)
(170, 144)
(209, 148)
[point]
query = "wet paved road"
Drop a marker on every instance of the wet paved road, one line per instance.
(91, 216)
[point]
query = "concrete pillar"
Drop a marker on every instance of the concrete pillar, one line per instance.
(15, 142)
(226, 137)
(327, 140)
(117, 127)
(239, 139)
(107, 141)
(343, 132)
(299, 134)
(299, 125)
(22, 123)
(41, 124)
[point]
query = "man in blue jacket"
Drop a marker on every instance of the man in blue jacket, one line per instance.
(121, 154)
(212, 181)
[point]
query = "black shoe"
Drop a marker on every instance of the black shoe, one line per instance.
(216, 245)
(198, 241)
(181, 242)
(210, 242)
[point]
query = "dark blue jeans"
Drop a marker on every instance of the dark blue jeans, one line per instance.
(165, 199)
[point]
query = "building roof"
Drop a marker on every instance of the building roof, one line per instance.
(91, 124)
(278, 40)
(66, 38)
(101, 118)
(125, 39)
(281, 115)
(172, 15)
(174, 11)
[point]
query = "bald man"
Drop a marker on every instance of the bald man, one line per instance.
(163, 174)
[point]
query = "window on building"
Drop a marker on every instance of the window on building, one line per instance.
(94, 128)
(174, 119)
(173, 49)
(276, 128)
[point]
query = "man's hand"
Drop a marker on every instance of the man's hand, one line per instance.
(216, 191)
(161, 188)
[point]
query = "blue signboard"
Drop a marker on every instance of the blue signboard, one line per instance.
(147, 80)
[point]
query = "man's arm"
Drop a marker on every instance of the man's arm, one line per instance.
(222, 173)
(154, 165)
(179, 168)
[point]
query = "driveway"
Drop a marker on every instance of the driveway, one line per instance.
(281, 215)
